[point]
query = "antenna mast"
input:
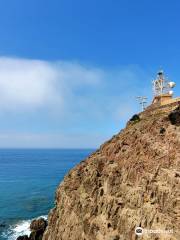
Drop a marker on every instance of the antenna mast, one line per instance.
(161, 85)
(142, 101)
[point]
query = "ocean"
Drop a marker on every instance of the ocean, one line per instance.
(28, 180)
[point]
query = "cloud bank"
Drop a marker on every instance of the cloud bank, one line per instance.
(33, 84)
(78, 96)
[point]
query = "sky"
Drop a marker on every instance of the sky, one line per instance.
(70, 70)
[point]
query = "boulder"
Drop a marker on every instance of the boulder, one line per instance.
(38, 224)
(25, 237)
(37, 227)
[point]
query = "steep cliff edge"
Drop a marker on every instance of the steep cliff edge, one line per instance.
(132, 180)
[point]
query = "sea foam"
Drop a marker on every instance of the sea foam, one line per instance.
(19, 229)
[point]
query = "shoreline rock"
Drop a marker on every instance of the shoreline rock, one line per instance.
(37, 227)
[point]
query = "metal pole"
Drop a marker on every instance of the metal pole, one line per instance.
(142, 102)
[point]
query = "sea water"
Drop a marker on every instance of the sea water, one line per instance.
(28, 180)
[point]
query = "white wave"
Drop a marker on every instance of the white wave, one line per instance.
(19, 229)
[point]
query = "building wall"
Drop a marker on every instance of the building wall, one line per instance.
(169, 101)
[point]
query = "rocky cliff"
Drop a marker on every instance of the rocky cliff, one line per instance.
(131, 181)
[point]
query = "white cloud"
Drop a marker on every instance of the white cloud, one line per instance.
(82, 98)
(25, 83)
(32, 84)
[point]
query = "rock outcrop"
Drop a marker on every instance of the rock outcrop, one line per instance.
(131, 181)
(37, 227)
(24, 237)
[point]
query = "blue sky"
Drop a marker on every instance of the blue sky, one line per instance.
(70, 70)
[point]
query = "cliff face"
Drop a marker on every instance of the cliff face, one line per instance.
(132, 180)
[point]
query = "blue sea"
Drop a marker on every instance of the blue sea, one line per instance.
(28, 180)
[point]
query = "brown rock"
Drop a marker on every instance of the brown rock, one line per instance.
(132, 180)
(37, 227)
(38, 224)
